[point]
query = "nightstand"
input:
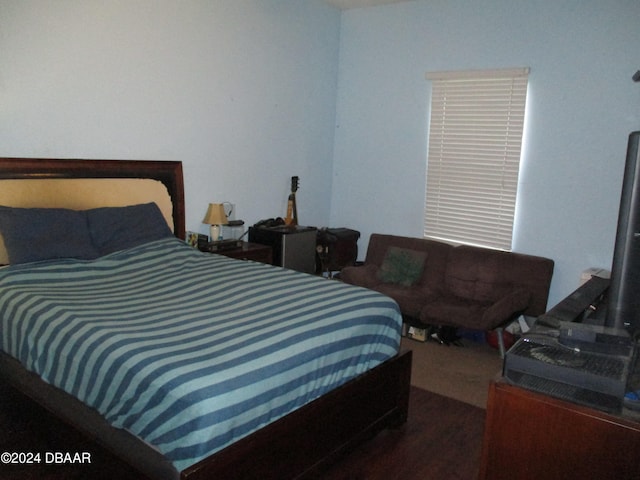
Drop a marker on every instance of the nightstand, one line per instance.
(250, 251)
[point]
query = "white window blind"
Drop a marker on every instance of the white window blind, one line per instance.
(475, 137)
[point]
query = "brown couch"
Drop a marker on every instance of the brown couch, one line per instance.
(463, 286)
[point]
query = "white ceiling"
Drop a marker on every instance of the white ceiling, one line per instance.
(347, 4)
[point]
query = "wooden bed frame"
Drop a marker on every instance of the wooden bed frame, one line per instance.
(299, 445)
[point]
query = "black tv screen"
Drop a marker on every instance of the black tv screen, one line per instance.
(623, 308)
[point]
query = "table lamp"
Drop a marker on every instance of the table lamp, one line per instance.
(215, 217)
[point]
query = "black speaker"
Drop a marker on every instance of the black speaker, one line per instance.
(623, 309)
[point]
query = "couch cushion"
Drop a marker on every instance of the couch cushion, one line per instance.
(410, 299)
(508, 306)
(362, 275)
(402, 266)
(458, 312)
(486, 275)
(478, 274)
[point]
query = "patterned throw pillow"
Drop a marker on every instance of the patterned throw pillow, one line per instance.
(402, 266)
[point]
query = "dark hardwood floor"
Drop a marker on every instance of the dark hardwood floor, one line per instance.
(441, 441)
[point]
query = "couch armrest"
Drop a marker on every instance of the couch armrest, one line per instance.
(363, 275)
(505, 308)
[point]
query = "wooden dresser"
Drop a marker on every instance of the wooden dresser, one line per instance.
(533, 436)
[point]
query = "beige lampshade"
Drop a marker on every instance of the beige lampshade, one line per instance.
(215, 215)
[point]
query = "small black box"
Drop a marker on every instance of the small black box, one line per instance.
(337, 248)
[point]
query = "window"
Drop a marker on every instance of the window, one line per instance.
(475, 137)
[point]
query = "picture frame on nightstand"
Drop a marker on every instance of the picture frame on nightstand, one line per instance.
(194, 238)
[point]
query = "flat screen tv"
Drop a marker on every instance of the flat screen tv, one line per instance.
(623, 304)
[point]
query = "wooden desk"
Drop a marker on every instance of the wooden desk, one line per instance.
(534, 436)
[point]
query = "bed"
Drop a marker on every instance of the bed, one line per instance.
(185, 364)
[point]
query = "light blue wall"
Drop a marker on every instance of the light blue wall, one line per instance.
(582, 105)
(242, 91)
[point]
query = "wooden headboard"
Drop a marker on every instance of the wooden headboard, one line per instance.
(112, 178)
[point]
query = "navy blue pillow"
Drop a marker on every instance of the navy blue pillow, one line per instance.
(118, 228)
(34, 234)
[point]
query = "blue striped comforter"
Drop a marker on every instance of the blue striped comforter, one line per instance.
(190, 351)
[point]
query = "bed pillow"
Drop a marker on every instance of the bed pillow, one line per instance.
(34, 234)
(402, 266)
(119, 228)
